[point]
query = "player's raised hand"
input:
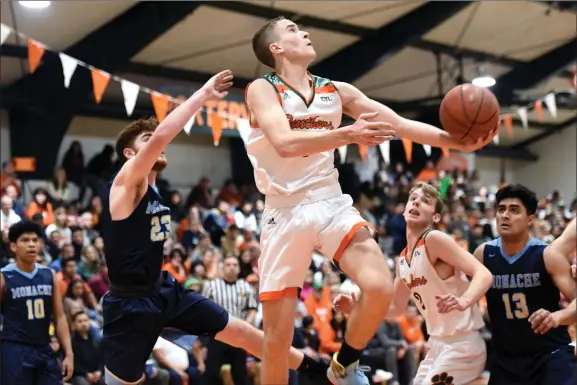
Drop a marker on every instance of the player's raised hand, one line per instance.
(67, 368)
(345, 303)
(543, 320)
(216, 87)
(449, 302)
(369, 132)
(482, 142)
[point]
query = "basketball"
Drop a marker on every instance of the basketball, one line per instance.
(469, 113)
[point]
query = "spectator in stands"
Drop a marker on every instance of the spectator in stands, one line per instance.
(8, 177)
(230, 242)
(397, 228)
(89, 263)
(77, 242)
(184, 367)
(177, 210)
(96, 209)
(201, 194)
(13, 193)
(229, 194)
(245, 218)
(74, 298)
(411, 324)
(216, 221)
(7, 214)
(86, 223)
(99, 283)
(174, 265)
(67, 252)
(40, 205)
(73, 164)
(68, 275)
(88, 358)
(60, 225)
(60, 192)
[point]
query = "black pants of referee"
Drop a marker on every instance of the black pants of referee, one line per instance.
(220, 354)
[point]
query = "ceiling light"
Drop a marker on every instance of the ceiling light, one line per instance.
(35, 4)
(484, 81)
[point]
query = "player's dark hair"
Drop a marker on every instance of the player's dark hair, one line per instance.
(518, 191)
(23, 227)
(261, 41)
(127, 136)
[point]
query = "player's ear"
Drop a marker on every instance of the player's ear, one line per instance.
(436, 218)
(275, 48)
(128, 153)
(13, 247)
(531, 219)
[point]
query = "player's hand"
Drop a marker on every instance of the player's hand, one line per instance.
(201, 367)
(216, 87)
(345, 303)
(183, 377)
(67, 368)
(482, 142)
(369, 132)
(543, 320)
(449, 302)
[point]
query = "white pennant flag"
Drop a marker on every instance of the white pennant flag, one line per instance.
(69, 65)
(189, 124)
(130, 91)
(243, 127)
(4, 33)
(427, 149)
(343, 153)
(522, 112)
(551, 104)
(496, 139)
(386, 151)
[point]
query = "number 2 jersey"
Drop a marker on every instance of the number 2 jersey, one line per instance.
(26, 305)
(134, 246)
(521, 286)
(421, 278)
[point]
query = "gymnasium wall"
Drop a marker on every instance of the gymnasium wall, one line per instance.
(489, 170)
(190, 157)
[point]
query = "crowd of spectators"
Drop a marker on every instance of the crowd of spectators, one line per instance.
(212, 226)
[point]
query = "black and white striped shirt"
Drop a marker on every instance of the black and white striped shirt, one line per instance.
(237, 298)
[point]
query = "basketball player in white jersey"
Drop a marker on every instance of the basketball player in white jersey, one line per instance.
(295, 118)
(566, 244)
(433, 270)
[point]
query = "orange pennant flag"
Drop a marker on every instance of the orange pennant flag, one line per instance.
(363, 151)
(160, 104)
(408, 146)
(573, 79)
(100, 82)
(35, 53)
(446, 152)
(508, 122)
(217, 122)
(539, 110)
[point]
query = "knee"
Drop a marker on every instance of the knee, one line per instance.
(277, 340)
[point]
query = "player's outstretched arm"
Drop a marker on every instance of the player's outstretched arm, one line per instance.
(62, 330)
(137, 169)
(567, 242)
(356, 103)
(262, 100)
(444, 247)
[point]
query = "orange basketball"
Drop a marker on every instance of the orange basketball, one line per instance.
(469, 113)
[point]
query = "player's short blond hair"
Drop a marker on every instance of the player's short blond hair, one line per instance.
(432, 192)
(262, 40)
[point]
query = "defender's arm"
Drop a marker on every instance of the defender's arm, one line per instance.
(558, 267)
(567, 242)
(262, 100)
(356, 103)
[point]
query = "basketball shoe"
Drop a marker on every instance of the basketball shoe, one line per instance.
(351, 375)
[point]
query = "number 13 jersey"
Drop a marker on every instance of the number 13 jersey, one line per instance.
(421, 278)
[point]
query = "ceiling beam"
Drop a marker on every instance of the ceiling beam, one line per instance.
(353, 61)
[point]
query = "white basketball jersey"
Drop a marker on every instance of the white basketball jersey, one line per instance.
(420, 276)
(285, 176)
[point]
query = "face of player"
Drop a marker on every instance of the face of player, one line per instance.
(292, 42)
(512, 218)
(139, 142)
(420, 210)
(26, 247)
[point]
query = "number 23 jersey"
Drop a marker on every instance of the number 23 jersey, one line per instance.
(421, 278)
(521, 286)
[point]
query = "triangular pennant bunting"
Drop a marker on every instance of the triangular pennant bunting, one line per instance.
(408, 146)
(100, 80)
(551, 104)
(522, 112)
(35, 53)
(217, 122)
(160, 104)
(69, 65)
(190, 123)
(508, 123)
(539, 110)
(427, 149)
(343, 153)
(4, 33)
(496, 138)
(243, 126)
(130, 92)
(385, 148)
(363, 151)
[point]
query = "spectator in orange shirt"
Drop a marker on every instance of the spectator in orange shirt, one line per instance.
(319, 305)
(332, 333)
(40, 205)
(411, 327)
(174, 265)
(428, 173)
(68, 274)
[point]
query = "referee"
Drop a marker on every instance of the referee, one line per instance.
(239, 299)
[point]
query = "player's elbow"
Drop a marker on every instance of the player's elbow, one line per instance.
(485, 277)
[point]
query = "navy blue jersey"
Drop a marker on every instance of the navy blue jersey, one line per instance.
(26, 305)
(521, 286)
(134, 246)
